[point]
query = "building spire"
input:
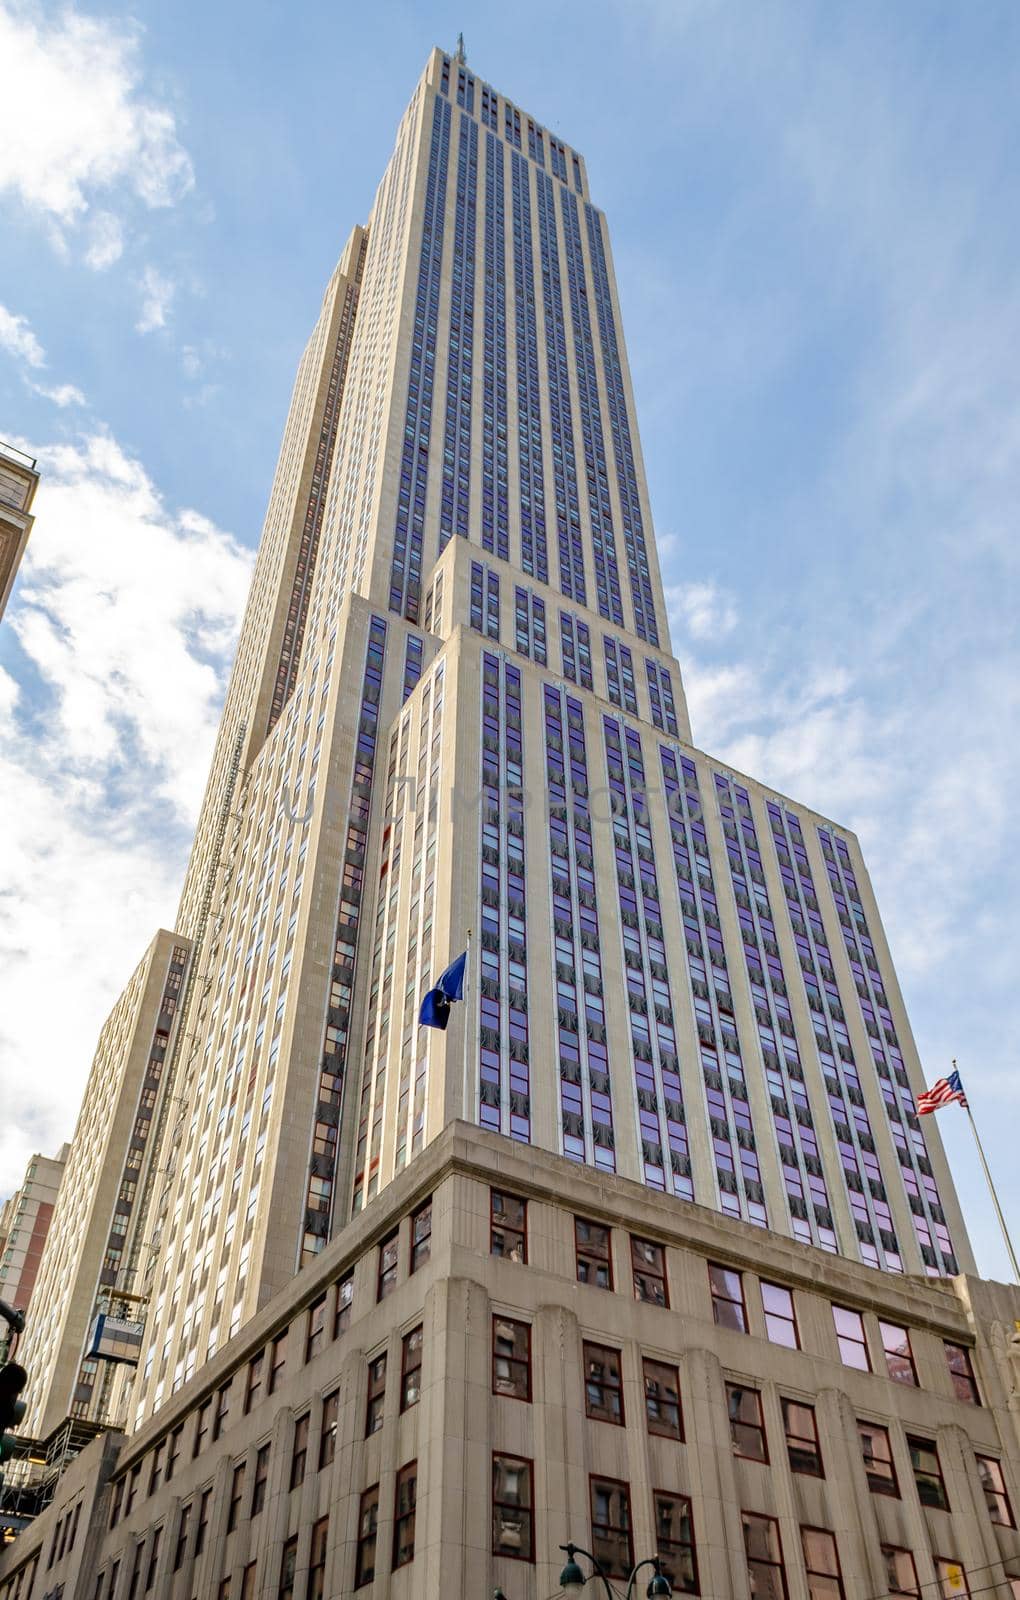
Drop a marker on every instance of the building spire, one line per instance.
(461, 55)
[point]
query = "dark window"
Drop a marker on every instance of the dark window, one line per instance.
(421, 1236)
(315, 1335)
(994, 1485)
(603, 1384)
(924, 1458)
(899, 1358)
(173, 1452)
(952, 1578)
(410, 1368)
(962, 1373)
(747, 1423)
(201, 1431)
(222, 1410)
(248, 1581)
(853, 1346)
(277, 1362)
(512, 1508)
(403, 1514)
(900, 1573)
(327, 1438)
(258, 1492)
(299, 1454)
(376, 1395)
(591, 1242)
(388, 1256)
(662, 1399)
(344, 1303)
(253, 1390)
(876, 1448)
(182, 1536)
(610, 1526)
(802, 1444)
(508, 1226)
(511, 1358)
(150, 1573)
(136, 1571)
(728, 1306)
(203, 1520)
(317, 1560)
(156, 1469)
(780, 1316)
(118, 1495)
(821, 1563)
(236, 1496)
(649, 1263)
(764, 1556)
(288, 1567)
(368, 1518)
(223, 1592)
(674, 1542)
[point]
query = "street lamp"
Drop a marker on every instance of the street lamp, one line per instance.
(573, 1580)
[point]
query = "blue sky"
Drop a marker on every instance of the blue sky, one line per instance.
(816, 222)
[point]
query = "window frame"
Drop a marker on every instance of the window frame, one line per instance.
(914, 1592)
(405, 1474)
(421, 1243)
(721, 1296)
(993, 1495)
(253, 1382)
(528, 1511)
(900, 1365)
(608, 1385)
(328, 1428)
(375, 1394)
(778, 1563)
(773, 1316)
(640, 1272)
(315, 1328)
(798, 1441)
(409, 1369)
(891, 1486)
(514, 1361)
(277, 1363)
(237, 1477)
(260, 1479)
(387, 1270)
(850, 1340)
(661, 1431)
(942, 1577)
(962, 1381)
(601, 1480)
(585, 1254)
(662, 1543)
(916, 1442)
(504, 1229)
(343, 1304)
(299, 1450)
(369, 1502)
(816, 1572)
(743, 1390)
(317, 1559)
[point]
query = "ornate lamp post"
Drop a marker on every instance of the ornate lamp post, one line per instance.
(573, 1580)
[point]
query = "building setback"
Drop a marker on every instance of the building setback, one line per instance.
(25, 1220)
(455, 723)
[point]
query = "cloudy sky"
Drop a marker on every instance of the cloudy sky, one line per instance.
(816, 220)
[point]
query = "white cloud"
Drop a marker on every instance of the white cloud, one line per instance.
(62, 394)
(17, 338)
(106, 241)
(703, 610)
(157, 297)
(74, 120)
(126, 614)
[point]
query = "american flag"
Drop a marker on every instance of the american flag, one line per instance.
(942, 1094)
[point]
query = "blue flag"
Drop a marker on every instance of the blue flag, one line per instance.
(435, 1008)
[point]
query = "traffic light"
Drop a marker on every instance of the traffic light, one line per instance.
(12, 1380)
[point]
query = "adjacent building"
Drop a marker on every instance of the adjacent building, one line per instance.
(19, 479)
(25, 1220)
(649, 1247)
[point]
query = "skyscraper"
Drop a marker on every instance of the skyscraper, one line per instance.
(647, 1249)
(19, 480)
(455, 718)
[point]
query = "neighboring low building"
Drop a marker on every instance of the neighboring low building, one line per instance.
(506, 1351)
(18, 481)
(24, 1225)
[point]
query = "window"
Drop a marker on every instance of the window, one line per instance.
(173, 1452)
(150, 1573)
(511, 1358)
(410, 1368)
(277, 1362)
(236, 1496)
(327, 1437)
(648, 1261)
(780, 1316)
(315, 1335)
(248, 1581)
(376, 1395)
(203, 1520)
(299, 1454)
(802, 1438)
(368, 1518)
(201, 1432)
(764, 1556)
(962, 1373)
(156, 1470)
(118, 1494)
(591, 1244)
(853, 1346)
(222, 1410)
(747, 1423)
(994, 1485)
(421, 1236)
(727, 1288)
(344, 1303)
(182, 1536)
(603, 1384)
(223, 1592)
(388, 1256)
(317, 1560)
(258, 1492)
(610, 1526)
(675, 1541)
(288, 1566)
(924, 1458)
(662, 1399)
(512, 1509)
(951, 1576)
(508, 1226)
(403, 1514)
(876, 1449)
(899, 1358)
(821, 1563)
(136, 1571)
(900, 1573)
(253, 1390)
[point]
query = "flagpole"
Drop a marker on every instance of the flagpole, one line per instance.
(468, 1104)
(991, 1190)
